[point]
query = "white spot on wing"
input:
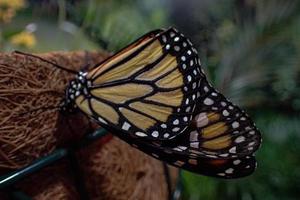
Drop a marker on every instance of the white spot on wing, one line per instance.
(206, 89)
(163, 125)
(208, 101)
(251, 143)
(177, 149)
(176, 129)
(188, 109)
(155, 134)
(239, 139)
(102, 120)
(224, 155)
(191, 62)
(235, 125)
(177, 48)
(140, 134)
(232, 150)
(252, 132)
(176, 122)
(194, 145)
(193, 136)
(225, 113)
(201, 120)
(236, 162)
(187, 101)
(182, 147)
(126, 126)
(223, 104)
(164, 38)
(229, 171)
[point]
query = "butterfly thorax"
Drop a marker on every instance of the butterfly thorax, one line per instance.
(76, 87)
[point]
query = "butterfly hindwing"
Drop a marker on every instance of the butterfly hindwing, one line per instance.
(222, 129)
(219, 129)
(148, 89)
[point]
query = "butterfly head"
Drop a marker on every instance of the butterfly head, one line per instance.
(76, 87)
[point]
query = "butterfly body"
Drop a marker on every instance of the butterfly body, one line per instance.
(76, 87)
(154, 95)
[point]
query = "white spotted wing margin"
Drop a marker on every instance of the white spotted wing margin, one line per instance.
(219, 168)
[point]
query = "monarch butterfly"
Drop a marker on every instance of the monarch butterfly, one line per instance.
(154, 95)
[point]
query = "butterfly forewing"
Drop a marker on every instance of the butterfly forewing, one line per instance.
(148, 89)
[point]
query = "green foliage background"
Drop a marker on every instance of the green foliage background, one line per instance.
(250, 50)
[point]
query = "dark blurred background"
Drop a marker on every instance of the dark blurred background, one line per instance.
(250, 50)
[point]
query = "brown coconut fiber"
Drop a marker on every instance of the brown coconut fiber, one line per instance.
(31, 126)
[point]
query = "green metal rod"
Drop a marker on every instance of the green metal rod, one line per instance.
(40, 163)
(13, 177)
(93, 136)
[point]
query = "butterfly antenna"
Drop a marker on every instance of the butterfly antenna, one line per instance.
(47, 61)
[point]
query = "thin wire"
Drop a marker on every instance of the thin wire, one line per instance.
(47, 61)
(77, 175)
(177, 193)
(168, 179)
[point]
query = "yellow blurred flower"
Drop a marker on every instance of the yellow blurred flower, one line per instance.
(16, 4)
(24, 38)
(8, 9)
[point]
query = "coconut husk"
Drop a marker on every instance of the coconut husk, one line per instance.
(31, 127)
(28, 84)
